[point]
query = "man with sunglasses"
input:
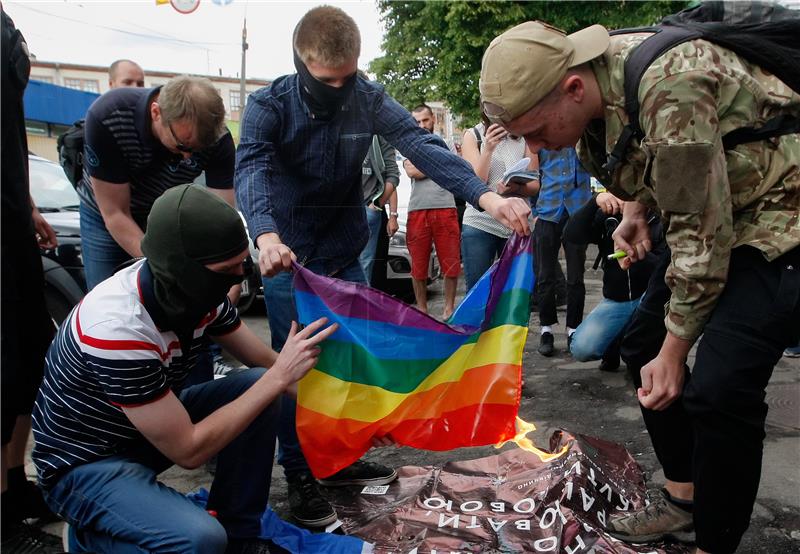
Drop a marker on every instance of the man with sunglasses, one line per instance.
(139, 143)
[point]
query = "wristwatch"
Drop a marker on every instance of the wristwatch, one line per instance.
(392, 214)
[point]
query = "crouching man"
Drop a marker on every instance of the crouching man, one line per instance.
(112, 413)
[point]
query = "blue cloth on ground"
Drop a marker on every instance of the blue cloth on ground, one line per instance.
(293, 538)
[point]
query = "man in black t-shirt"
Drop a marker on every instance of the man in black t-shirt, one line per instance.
(139, 143)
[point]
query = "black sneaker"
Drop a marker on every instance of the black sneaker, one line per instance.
(569, 344)
(26, 503)
(361, 473)
(546, 345)
(21, 538)
(609, 364)
(307, 505)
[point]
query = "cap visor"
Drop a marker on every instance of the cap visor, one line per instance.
(588, 43)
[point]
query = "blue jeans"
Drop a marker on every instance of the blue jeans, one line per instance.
(100, 252)
(595, 333)
(117, 505)
(367, 257)
(281, 311)
(479, 250)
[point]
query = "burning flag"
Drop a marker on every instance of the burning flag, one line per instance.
(392, 371)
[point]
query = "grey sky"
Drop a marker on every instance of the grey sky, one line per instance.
(160, 38)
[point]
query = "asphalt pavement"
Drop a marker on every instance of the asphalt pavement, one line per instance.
(560, 393)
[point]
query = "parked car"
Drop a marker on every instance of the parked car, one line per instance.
(58, 202)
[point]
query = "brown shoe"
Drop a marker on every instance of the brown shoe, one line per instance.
(660, 520)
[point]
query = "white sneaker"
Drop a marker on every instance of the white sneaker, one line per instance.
(222, 368)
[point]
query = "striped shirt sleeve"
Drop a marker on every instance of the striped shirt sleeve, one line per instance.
(129, 365)
(226, 321)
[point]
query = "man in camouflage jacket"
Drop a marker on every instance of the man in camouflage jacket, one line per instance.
(732, 222)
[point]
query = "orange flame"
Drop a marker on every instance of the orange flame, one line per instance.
(521, 440)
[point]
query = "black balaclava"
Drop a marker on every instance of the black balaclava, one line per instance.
(189, 227)
(323, 100)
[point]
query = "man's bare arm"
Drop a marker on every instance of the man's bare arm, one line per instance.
(114, 201)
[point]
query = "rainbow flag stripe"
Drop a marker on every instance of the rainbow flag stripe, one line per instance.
(392, 371)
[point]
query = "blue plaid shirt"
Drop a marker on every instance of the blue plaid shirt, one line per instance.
(301, 178)
(565, 184)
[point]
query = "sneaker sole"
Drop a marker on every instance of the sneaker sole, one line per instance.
(362, 482)
(320, 522)
(685, 537)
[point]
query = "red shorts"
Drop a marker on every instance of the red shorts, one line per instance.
(439, 227)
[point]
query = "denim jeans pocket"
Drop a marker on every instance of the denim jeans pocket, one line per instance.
(69, 505)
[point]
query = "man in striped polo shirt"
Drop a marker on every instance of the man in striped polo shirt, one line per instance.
(114, 411)
(140, 142)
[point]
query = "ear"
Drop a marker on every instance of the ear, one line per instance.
(574, 87)
(155, 112)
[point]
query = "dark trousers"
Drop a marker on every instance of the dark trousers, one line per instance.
(547, 240)
(669, 429)
(756, 317)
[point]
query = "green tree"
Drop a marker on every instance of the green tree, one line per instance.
(434, 48)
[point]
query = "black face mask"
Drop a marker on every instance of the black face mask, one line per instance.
(189, 227)
(324, 101)
(187, 294)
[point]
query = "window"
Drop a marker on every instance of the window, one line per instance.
(42, 78)
(236, 105)
(36, 128)
(87, 85)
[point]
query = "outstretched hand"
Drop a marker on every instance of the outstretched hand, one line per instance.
(273, 255)
(511, 212)
(301, 351)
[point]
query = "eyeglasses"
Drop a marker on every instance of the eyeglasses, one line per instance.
(178, 144)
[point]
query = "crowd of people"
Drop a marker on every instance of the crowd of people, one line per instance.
(690, 244)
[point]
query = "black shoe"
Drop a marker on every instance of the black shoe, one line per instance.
(21, 538)
(609, 364)
(361, 473)
(306, 503)
(569, 344)
(546, 345)
(26, 502)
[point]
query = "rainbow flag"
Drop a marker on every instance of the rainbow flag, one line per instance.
(392, 371)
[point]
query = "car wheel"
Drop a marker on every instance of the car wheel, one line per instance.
(252, 284)
(245, 302)
(58, 305)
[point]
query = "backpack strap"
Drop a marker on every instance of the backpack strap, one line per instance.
(662, 39)
(478, 137)
(777, 126)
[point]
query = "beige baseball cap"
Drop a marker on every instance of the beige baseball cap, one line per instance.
(525, 63)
